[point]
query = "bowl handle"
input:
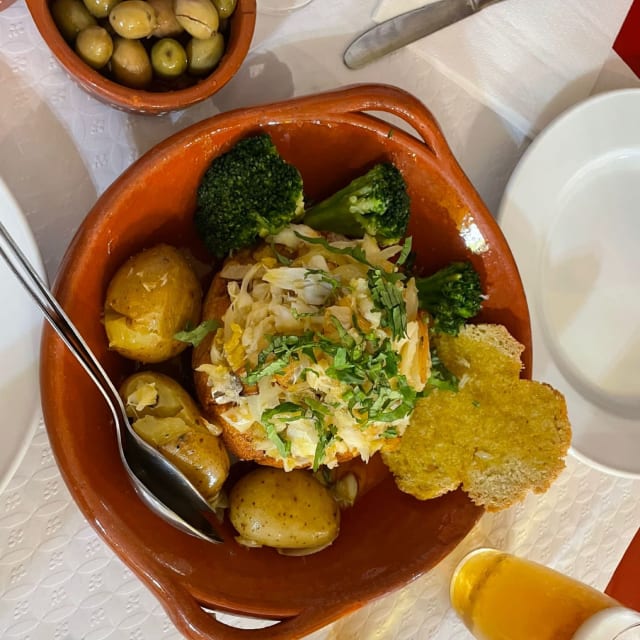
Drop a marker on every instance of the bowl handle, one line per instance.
(195, 623)
(361, 98)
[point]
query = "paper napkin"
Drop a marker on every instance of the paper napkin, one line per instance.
(527, 60)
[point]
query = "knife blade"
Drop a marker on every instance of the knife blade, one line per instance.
(407, 28)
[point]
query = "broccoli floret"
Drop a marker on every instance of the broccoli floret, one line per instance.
(247, 193)
(376, 203)
(451, 295)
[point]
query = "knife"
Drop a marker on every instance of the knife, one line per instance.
(408, 27)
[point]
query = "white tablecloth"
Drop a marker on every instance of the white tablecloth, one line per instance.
(59, 150)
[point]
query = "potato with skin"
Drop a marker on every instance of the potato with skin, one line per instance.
(166, 417)
(283, 509)
(153, 295)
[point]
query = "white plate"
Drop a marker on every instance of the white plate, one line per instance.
(20, 328)
(571, 214)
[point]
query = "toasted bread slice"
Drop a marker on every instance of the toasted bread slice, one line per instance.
(498, 436)
(240, 444)
(248, 444)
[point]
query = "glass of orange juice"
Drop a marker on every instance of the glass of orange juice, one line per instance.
(502, 597)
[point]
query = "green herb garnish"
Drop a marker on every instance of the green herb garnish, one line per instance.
(387, 299)
(195, 335)
(441, 377)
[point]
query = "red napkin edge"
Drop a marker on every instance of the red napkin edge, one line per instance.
(627, 43)
(624, 585)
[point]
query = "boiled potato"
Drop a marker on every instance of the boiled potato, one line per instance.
(153, 295)
(165, 416)
(283, 509)
(149, 393)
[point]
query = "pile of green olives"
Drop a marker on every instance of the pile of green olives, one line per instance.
(154, 45)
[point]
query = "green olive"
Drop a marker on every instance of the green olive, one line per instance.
(225, 7)
(168, 58)
(130, 64)
(283, 509)
(133, 19)
(100, 8)
(95, 46)
(166, 23)
(199, 18)
(71, 17)
(204, 55)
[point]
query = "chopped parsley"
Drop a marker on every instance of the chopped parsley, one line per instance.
(363, 360)
(387, 299)
(366, 363)
(441, 377)
(195, 335)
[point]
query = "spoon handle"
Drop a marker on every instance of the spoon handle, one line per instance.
(177, 501)
(58, 319)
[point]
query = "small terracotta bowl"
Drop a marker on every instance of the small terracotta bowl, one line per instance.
(388, 538)
(241, 28)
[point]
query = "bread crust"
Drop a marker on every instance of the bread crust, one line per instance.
(498, 437)
(240, 444)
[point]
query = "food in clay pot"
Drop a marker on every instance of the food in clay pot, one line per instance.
(154, 45)
(318, 346)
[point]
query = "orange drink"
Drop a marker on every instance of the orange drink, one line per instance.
(501, 597)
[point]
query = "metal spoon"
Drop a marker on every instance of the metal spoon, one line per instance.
(157, 481)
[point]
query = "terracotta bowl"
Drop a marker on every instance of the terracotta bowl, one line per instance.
(241, 29)
(387, 538)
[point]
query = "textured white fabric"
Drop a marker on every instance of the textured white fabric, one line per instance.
(527, 60)
(59, 150)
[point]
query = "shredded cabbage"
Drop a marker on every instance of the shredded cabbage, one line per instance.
(305, 330)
